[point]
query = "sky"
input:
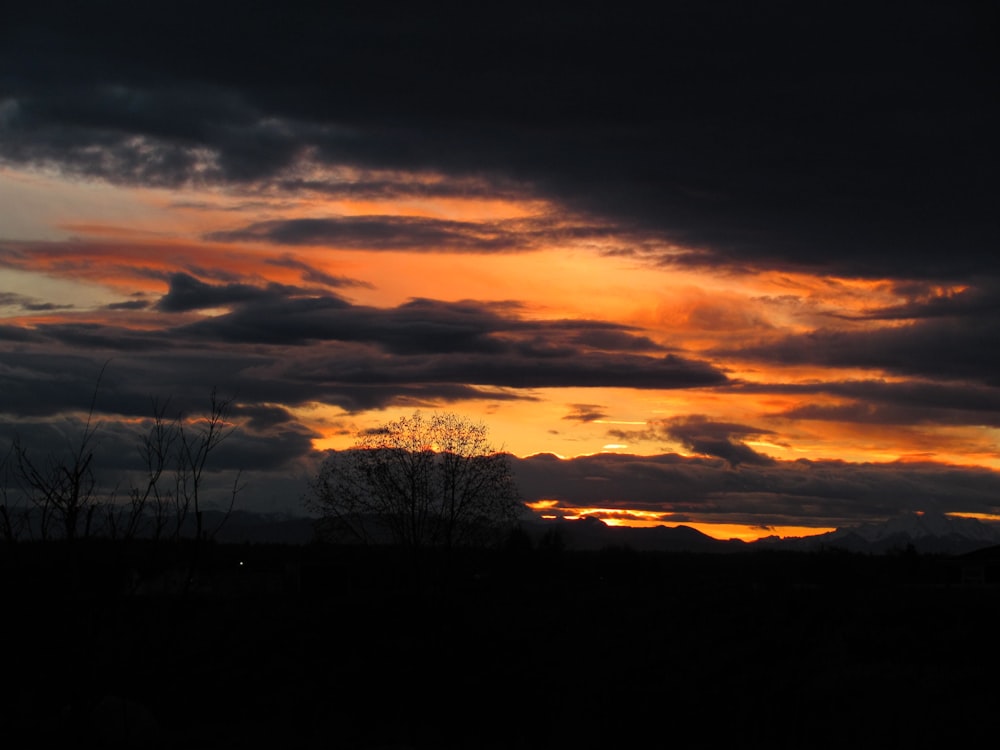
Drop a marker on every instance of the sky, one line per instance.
(732, 265)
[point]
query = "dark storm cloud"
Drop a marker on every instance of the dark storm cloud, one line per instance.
(384, 233)
(357, 357)
(812, 493)
(262, 416)
(612, 340)
(187, 293)
(243, 458)
(108, 338)
(420, 234)
(418, 326)
(18, 333)
(720, 439)
(360, 396)
(910, 402)
(452, 342)
(93, 396)
(276, 314)
(247, 451)
(362, 357)
(939, 332)
(866, 413)
(948, 348)
(582, 370)
(725, 440)
(163, 133)
(850, 140)
(372, 187)
(50, 380)
(36, 384)
(980, 299)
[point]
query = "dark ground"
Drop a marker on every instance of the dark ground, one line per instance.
(311, 646)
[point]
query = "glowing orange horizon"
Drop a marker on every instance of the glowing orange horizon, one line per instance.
(631, 518)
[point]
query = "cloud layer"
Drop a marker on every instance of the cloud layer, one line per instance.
(722, 236)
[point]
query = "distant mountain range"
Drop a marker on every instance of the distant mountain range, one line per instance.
(923, 532)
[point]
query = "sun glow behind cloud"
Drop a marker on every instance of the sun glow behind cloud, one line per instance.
(108, 254)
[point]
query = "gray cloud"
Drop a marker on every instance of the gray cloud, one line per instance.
(420, 234)
(18, 333)
(929, 300)
(135, 304)
(29, 304)
(262, 416)
(418, 326)
(585, 413)
(313, 275)
(720, 439)
(285, 315)
(709, 490)
(607, 339)
(909, 402)
(948, 348)
(375, 187)
(746, 135)
(187, 293)
(384, 233)
(358, 357)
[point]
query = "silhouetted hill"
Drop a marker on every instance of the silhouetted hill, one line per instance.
(931, 533)
(594, 534)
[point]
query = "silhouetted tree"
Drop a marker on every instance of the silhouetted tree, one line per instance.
(148, 502)
(62, 488)
(174, 454)
(418, 482)
(57, 494)
(13, 514)
(196, 440)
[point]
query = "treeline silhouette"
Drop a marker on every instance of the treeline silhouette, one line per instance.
(528, 645)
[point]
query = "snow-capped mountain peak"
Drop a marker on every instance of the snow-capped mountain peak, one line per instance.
(917, 526)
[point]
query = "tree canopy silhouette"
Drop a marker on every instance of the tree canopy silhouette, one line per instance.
(417, 482)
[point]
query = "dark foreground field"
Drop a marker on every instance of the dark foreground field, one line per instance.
(308, 646)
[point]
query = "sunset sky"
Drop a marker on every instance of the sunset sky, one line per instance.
(734, 265)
